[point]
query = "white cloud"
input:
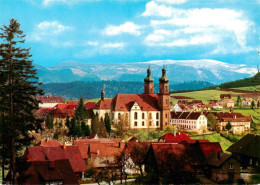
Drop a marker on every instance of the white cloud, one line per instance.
(92, 43)
(52, 32)
(184, 27)
(127, 27)
(112, 45)
(172, 1)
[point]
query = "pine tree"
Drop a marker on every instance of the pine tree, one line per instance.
(252, 104)
(81, 112)
(107, 124)
(87, 131)
(102, 132)
(83, 129)
(94, 124)
(49, 121)
(18, 90)
(228, 126)
(238, 103)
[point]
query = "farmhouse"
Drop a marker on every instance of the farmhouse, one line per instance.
(193, 121)
(147, 110)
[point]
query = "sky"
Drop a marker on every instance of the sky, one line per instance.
(117, 31)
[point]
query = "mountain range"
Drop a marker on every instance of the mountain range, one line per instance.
(208, 70)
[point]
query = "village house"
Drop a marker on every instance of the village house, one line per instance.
(49, 101)
(63, 111)
(222, 167)
(226, 101)
(240, 124)
(191, 121)
(247, 151)
(147, 110)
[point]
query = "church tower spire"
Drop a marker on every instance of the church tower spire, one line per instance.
(148, 82)
(164, 99)
(102, 94)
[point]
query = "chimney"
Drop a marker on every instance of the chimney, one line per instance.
(235, 116)
(98, 152)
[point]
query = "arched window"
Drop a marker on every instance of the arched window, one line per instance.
(142, 123)
(157, 115)
(136, 115)
(135, 123)
(143, 116)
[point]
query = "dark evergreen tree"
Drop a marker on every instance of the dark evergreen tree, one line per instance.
(87, 133)
(107, 124)
(228, 126)
(102, 132)
(239, 101)
(81, 112)
(77, 129)
(18, 90)
(49, 121)
(252, 104)
(72, 127)
(94, 124)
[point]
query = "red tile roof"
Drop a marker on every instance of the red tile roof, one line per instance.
(59, 170)
(44, 111)
(75, 158)
(207, 148)
(176, 137)
(50, 99)
(90, 105)
(232, 117)
(106, 104)
(217, 158)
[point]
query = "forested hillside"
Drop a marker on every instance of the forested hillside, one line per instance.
(87, 90)
(253, 81)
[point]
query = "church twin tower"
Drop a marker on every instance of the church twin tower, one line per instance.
(163, 95)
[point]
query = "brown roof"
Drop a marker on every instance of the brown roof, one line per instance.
(217, 158)
(225, 96)
(249, 145)
(44, 111)
(124, 102)
(186, 115)
(103, 104)
(76, 160)
(232, 117)
(59, 170)
(50, 99)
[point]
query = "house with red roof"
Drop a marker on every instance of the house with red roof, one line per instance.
(50, 172)
(192, 121)
(240, 123)
(174, 137)
(49, 101)
(147, 110)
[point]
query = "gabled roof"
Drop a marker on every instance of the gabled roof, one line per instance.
(177, 136)
(208, 148)
(103, 104)
(232, 117)
(44, 110)
(90, 105)
(217, 158)
(75, 158)
(249, 145)
(133, 139)
(124, 102)
(186, 115)
(50, 99)
(38, 153)
(50, 171)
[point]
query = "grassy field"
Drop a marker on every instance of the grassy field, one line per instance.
(144, 135)
(215, 138)
(205, 95)
(250, 88)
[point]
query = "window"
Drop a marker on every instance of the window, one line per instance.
(166, 115)
(135, 123)
(231, 166)
(136, 115)
(157, 123)
(143, 116)
(142, 123)
(157, 115)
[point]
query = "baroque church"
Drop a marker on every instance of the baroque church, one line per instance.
(147, 110)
